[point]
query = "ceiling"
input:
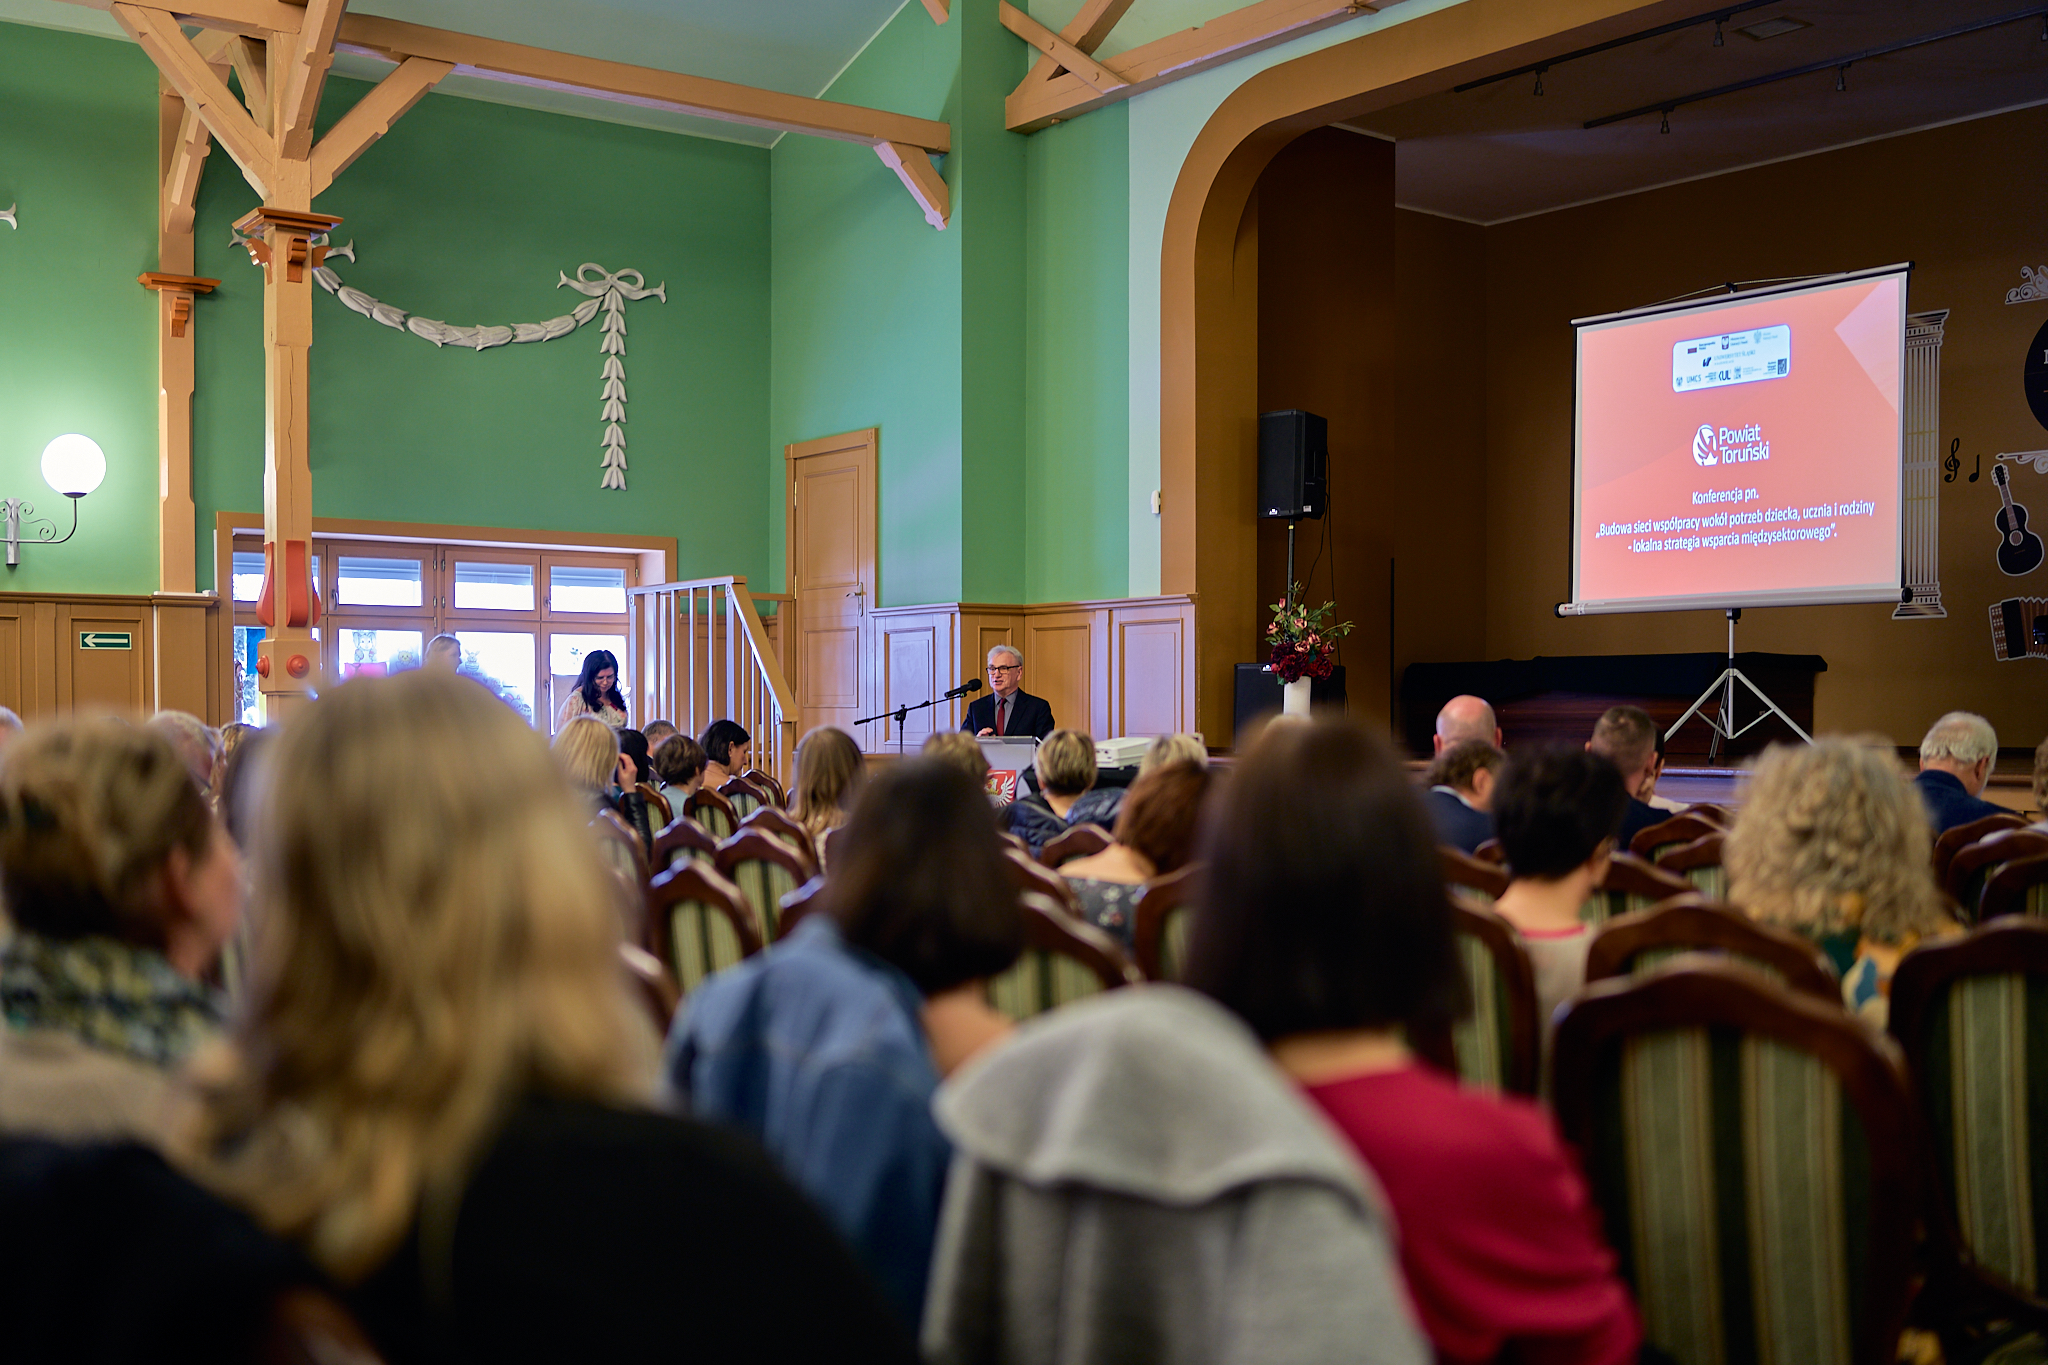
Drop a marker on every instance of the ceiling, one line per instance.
(1500, 151)
(796, 46)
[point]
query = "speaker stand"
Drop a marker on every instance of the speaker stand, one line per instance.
(1723, 725)
(1289, 594)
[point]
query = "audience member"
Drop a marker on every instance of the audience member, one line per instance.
(1155, 834)
(1956, 759)
(657, 732)
(1065, 765)
(1833, 844)
(587, 753)
(10, 725)
(121, 888)
(235, 801)
(2041, 786)
(828, 1047)
(958, 748)
(197, 744)
(440, 1086)
(829, 772)
(1460, 795)
(1465, 718)
(231, 736)
(633, 746)
(1323, 924)
(1166, 749)
(678, 769)
(596, 692)
(1626, 737)
(443, 655)
(1557, 811)
(725, 746)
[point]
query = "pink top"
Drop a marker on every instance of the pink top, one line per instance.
(1499, 1240)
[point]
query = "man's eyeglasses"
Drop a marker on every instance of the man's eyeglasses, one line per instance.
(1005, 668)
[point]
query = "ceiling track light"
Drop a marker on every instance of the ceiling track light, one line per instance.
(1718, 40)
(1665, 127)
(1842, 77)
(1539, 79)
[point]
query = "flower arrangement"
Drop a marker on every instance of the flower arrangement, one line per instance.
(1301, 637)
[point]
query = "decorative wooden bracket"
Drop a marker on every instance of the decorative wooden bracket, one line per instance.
(913, 166)
(1069, 57)
(272, 234)
(182, 289)
(937, 9)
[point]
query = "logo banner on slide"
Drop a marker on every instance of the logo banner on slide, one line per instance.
(1742, 452)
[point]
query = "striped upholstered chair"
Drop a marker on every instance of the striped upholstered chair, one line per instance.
(2019, 887)
(1498, 1044)
(1065, 959)
(1751, 1154)
(698, 923)
(1682, 828)
(765, 869)
(1973, 865)
(682, 837)
(1469, 879)
(1972, 1016)
(1631, 885)
(1649, 939)
(783, 826)
(743, 796)
(1159, 925)
(1699, 862)
(712, 811)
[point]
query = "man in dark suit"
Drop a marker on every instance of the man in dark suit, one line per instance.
(1008, 709)
(1460, 794)
(1626, 737)
(1956, 759)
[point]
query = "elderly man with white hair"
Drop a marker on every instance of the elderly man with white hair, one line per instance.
(1008, 709)
(1956, 760)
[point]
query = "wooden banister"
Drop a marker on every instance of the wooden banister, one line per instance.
(723, 668)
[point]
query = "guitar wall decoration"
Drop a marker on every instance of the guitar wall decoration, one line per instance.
(2019, 550)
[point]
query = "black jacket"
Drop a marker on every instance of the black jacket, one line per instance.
(1029, 716)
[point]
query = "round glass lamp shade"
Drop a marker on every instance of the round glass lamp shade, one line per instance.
(74, 465)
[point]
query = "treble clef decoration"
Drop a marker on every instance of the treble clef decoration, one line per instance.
(1954, 462)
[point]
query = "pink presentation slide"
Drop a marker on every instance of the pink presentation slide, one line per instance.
(1743, 451)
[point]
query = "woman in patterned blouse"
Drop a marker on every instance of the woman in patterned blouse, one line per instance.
(1155, 834)
(596, 692)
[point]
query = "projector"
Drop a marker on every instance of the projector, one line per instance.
(1121, 753)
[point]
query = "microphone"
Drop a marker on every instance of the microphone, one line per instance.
(971, 685)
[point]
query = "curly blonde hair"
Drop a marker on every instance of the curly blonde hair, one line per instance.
(1834, 837)
(424, 956)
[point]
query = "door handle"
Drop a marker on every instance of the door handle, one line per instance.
(862, 593)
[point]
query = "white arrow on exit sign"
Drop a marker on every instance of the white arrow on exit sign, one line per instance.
(105, 639)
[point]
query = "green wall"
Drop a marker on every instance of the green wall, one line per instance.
(77, 333)
(468, 212)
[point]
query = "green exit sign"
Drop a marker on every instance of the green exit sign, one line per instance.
(105, 639)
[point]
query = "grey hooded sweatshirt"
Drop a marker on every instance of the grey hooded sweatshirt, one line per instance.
(1134, 1182)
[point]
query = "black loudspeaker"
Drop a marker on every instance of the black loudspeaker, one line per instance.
(1294, 460)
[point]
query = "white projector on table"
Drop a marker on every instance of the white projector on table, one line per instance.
(1121, 753)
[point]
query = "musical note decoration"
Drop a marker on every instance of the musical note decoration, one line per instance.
(1954, 462)
(605, 291)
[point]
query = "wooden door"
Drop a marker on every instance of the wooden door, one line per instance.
(831, 574)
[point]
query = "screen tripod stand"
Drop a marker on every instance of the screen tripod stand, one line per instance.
(1723, 724)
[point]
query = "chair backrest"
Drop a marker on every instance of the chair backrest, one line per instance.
(1699, 862)
(1080, 841)
(1971, 1014)
(1631, 945)
(1681, 828)
(1498, 1045)
(659, 811)
(765, 869)
(1750, 1152)
(625, 858)
(1973, 864)
(1027, 875)
(782, 825)
(682, 836)
(1159, 923)
(309, 1326)
(1491, 851)
(798, 904)
(1950, 841)
(1720, 815)
(768, 787)
(698, 923)
(712, 811)
(742, 795)
(1017, 842)
(1631, 885)
(651, 981)
(2019, 887)
(1470, 879)
(1064, 959)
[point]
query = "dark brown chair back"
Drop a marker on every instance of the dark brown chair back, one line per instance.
(1682, 828)
(1973, 864)
(1498, 1046)
(1027, 875)
(2019, 887)
(308, 1326)
(1079, 841)
(1159, 923)
(1950, 841)
(652, 983)
(782, 825)
(1699, 862)
(1751, 1153)
(765, 868)
(1469, 878)
(743, 796)
(1633, 944)
(712, 811)
(698, 923)
(1491, 851)
(798, 904)
(659, 812)
(1631, 885)
(1707, 810)
(767, 786)
(682, 836)
(1064, 959)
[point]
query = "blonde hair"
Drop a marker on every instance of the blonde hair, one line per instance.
(588, 751)
(1166, 749)
(958, 748)
(1065, 763)
(89, 811)
(828, 773)
(1833, 837)
(423, 957)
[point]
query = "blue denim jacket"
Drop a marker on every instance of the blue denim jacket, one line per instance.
(816, 1048)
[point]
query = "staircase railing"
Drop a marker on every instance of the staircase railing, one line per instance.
(700, 653)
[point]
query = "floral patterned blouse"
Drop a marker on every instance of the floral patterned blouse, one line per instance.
(575, 706)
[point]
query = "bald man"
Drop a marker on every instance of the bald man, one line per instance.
(1463, 718)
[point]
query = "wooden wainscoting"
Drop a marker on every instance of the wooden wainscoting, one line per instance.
(1113, 668)
(170, 663)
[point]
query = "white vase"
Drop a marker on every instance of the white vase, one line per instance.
(1294, 697)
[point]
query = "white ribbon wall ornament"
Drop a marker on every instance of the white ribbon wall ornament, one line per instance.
(606, 292)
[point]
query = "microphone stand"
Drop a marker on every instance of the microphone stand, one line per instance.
(900, 712)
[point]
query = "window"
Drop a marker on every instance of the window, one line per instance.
(525, 619)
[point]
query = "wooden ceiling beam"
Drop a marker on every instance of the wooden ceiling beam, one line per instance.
(309, 55)
(1052, 45)
(938, 10)
(205, 92)
(252, 65)
(1087, 31)
(181, 178)
(921, 178)
(373, 116)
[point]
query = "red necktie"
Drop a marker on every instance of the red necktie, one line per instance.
(1002, 707)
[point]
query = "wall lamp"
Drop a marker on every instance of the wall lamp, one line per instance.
(74, 465)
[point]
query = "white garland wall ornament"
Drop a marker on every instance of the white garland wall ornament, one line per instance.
(7, 216)
(606, 292)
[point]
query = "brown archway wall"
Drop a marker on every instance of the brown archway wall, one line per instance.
(1208, 299)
